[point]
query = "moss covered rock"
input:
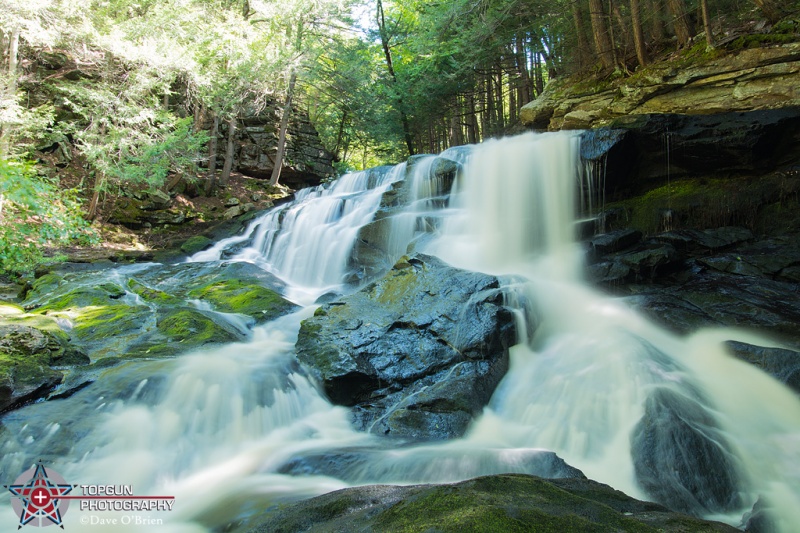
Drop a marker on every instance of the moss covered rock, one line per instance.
(507, 503)
(196, 244)
(418, 353)
(179, 330)
(237, 296)
(27, 356)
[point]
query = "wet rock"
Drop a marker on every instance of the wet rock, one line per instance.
(374, 252)
(179, 330)
(759, 519)
(614, 241)
(418, 353)
(27, 355)
(238, 296)
(647, 261)
(437, 466)
(196, 244)
(782, 364)
(714, 299)
(608, 272)
(681, 458)
(508, 502)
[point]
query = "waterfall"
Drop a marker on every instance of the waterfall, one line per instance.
(225, 429)
(308, 242)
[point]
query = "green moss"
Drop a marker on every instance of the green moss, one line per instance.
(757, 40)
(103, 322)
(697, 203)
(188, 325)
(149, 294)
(97, 296)
(44, 286)
(235, 296)
(502, 503)
(196, 244)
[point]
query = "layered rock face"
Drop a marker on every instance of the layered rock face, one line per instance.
(761, 78)
(306, 161)
(417, 354)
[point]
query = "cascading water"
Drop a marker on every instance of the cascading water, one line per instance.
(223, 429)
(308, 242)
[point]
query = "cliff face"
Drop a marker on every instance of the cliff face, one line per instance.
(306, 163)
(753, 79)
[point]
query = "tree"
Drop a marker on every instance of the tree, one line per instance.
(383, 31)
(34, 214)
(600, 31)
(638, 33)
(684, 29)
(771, 9)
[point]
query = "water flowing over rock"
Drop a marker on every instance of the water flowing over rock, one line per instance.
(417, 353)
(650, 149)
(681, 458)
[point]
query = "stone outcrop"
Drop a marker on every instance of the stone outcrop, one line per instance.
(758, 78)
(306, 161)
(644, 151)
(417, 354)
(505, 502)
(28, 356)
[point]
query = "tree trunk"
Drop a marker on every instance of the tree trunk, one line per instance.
(657, 22)
(602, 40)
(638, 33)
(684, 30)
(707, 23)
(13, 54)
(287, 109)
(340, 135)
(525, 93)
(770, 8)
(622, 23)
(580, 32)
(228, 165)
(211, 182)
(501, 108)
(390, 67)
(99, 182)
(472, 120)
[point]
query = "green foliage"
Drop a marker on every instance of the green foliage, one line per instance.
(34, 214)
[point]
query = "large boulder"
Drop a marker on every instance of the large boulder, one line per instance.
(682, 458)
(780, 363)
(508, 502)
(156, 310)
(27, 355)
(417, 353)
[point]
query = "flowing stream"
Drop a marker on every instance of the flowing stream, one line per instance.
(215, 428)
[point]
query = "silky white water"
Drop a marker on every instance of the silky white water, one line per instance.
(215, 428)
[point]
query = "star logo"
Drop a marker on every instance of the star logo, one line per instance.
(37, 497)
